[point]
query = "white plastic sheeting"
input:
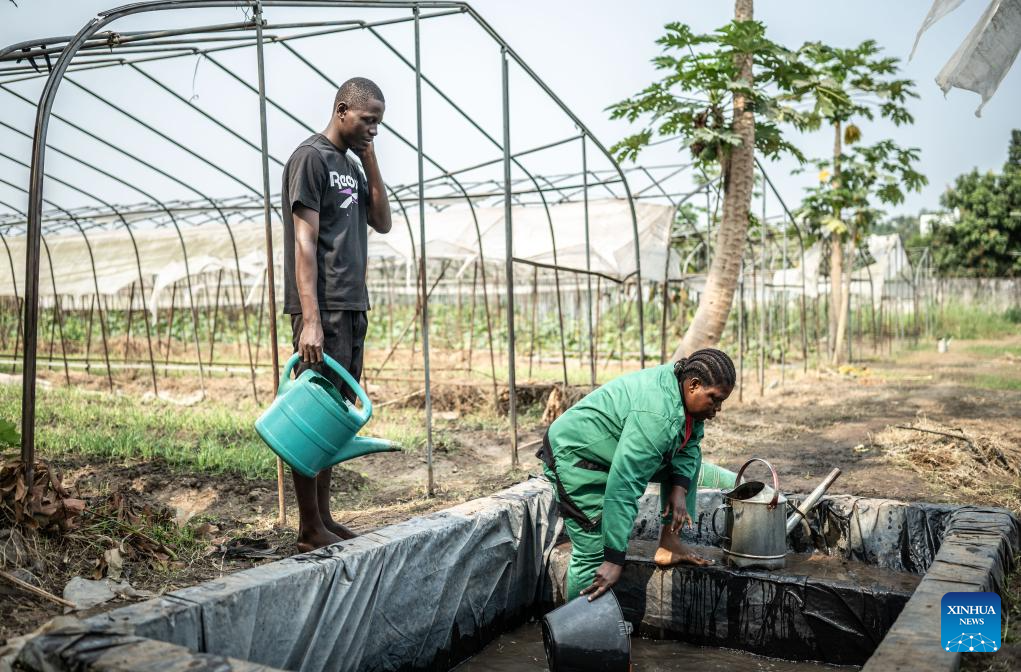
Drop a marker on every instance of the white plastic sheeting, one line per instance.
(160, 255)
(939, 9)
(987, 53)
(891, 265)
(450, 234)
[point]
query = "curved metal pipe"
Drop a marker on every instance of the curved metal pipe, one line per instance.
(134, 244)
(515, 161)
(213, 203)
(39, 150)
(17, 300)
(53, 281)
(184, 250)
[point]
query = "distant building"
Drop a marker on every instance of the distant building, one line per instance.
(927, 220)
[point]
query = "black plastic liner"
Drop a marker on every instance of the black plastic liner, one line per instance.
(886, 627)
(901, 536)
(426, 593)
(763, 612)
(419, 595)
(76, 645)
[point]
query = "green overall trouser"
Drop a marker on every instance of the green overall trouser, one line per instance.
(603, 452)
(586, 488)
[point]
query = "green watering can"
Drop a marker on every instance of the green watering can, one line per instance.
(310, 424)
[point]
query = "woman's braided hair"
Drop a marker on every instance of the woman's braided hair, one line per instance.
(711, 366)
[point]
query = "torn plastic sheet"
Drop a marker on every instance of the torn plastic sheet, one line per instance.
(422, 594)
(939, 9)
(987, 53)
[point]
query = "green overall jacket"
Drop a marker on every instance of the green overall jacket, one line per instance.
(632, 428)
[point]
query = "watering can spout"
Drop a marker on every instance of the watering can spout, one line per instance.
(363, 445)
(809, 503)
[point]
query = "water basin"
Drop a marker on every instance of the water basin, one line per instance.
(520, 650)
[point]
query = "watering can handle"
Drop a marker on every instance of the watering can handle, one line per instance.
(713, 521)
(286, 381)
(776, 480)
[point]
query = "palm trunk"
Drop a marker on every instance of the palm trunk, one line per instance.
(738, 179)
(838, 297)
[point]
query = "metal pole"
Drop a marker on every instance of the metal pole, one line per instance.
(88, 338)
(471, 316)
(784, 337)
(422, 257)
(131, 303)
(762, 306)
(260, 58)
(216, 313)
(588, 263)
(850, 278)
(535, 305)
(740, 334)
(170, 326)
(509, 250)
(17, 302)
(258, 329)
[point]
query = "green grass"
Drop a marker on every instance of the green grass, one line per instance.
(992, 381)
(974, 322)
(210, 437)
(994, 350)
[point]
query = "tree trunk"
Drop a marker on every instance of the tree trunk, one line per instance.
(738, 180)
(838, 297)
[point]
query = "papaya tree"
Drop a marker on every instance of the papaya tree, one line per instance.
(845, 206)
(723, 95)
(848, 86)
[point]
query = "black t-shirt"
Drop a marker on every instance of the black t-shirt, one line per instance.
(322, 178)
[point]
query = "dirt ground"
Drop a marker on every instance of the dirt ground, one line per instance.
(806, 426)
(829, 419)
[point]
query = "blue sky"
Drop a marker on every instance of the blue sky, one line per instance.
(590, 53)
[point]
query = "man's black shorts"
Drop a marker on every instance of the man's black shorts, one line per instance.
(343, 339)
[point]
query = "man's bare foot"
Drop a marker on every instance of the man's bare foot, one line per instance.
(309, 540)
(341, 531)
(672, 551)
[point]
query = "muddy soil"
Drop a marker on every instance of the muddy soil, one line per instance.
(521, 650)
(828, 419)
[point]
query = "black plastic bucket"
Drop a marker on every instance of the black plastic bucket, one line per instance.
(583, 636)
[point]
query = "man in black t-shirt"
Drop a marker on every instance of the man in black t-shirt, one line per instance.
(328, 205)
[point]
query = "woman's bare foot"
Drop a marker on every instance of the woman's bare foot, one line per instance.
(672, 551)
(341, 531)
(309, 540)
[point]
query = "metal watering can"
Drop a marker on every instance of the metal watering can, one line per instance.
(756, 521)
(311, 425)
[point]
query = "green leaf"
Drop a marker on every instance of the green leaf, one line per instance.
(9, 436)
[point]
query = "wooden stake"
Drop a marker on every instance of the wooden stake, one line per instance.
(37, 591)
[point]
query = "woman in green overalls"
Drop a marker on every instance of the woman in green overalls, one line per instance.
(603, 452)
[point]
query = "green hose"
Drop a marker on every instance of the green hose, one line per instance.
(714, 477)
